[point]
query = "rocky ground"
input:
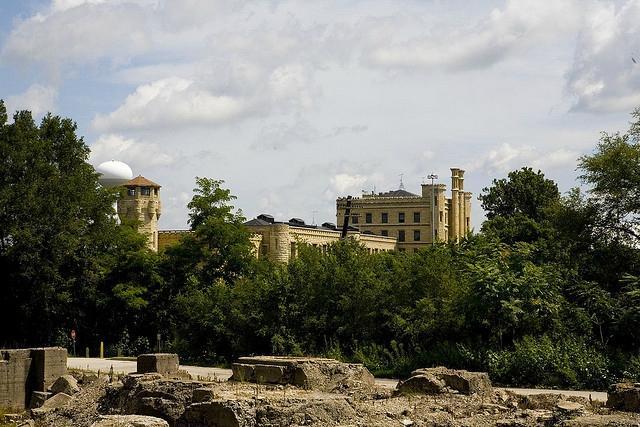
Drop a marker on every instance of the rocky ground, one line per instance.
(195, 403)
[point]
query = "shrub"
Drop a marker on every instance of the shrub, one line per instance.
(542, 361)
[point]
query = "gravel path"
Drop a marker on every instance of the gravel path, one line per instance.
(129, 366)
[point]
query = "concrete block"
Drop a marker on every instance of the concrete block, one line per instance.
(265, 374)
(65, 384)
(15, 366)
(242, 372)
(49, 363)
(624, 397)
(163, 363)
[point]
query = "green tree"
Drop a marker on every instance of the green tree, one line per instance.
(202, 269)
(516, 205)
(613, 172)
(55, 225)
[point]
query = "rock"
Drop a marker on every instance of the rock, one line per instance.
(65, 384)
(439, 380)
(162, 363)
(151, 394)
(306, 372)
(427, 384)
(57, 401)
(407, 422)
(570, 408)
(624, 396)
(38, 398)
(220, 413)
(617, 420)
(203, 394)
(129, 421)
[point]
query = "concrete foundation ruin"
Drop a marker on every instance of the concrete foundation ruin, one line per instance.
(162, 363)
(24, 371)
(304, 372)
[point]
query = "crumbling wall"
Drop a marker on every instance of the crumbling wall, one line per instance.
(15, 366)
(23, 371)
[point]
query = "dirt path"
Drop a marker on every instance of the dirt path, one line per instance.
(129, 366)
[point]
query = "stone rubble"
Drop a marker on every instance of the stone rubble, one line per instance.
(327, 397)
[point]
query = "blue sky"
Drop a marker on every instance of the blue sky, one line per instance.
(296, 103)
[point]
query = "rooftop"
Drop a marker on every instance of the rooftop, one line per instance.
(140, 181)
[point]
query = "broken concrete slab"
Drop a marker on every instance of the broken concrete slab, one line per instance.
(65, 384)
(305, 372)
(162, 363)
(51, 404)
(431, 380)
(129, 421)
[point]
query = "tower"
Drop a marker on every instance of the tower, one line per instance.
(140, 201)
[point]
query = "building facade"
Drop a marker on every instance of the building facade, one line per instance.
(139, 200)
(278, 241)
(415, 220)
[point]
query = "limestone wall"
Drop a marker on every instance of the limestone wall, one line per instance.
(23, 371)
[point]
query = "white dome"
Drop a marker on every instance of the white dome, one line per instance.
(114, 173)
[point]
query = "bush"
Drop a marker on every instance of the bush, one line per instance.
(544, 362)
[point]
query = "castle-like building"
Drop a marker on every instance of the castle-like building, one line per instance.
(415, 220)
(139, 200)
(395, 220)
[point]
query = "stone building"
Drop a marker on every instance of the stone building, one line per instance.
(278, 241)
(140, 200)
(415, 220)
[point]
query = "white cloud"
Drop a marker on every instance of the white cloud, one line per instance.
(117, 147)
(508, 157)
(345, 183)
(37, 98)
(520, 24)
(603, 76)
(172, 102)
(80, 32)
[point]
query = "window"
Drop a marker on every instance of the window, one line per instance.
(401, 236)
(145, 191)
(354, 219)
(368, 218)
(385, 217)
(440, 216)
(131, 191)
(400, 217)
(416, 235)
(384, 232)
(416, 217)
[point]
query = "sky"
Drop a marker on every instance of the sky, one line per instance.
(294, 103)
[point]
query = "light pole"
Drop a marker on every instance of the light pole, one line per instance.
(433, 177)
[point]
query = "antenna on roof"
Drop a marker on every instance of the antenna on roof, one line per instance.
(401, 183)
(313, 217)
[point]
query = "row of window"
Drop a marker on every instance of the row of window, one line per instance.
(144, 191)
(402, 235)
(384, 218)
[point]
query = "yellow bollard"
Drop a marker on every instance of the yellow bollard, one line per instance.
(101, 350)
